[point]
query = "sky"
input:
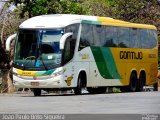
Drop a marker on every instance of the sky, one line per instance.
(1, 4)
(12, 7)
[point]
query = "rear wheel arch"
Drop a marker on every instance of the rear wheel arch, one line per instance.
(143, 74)
(134, 72)
(132, 84)
(141, 81)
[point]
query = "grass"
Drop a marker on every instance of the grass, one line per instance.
(116, 90)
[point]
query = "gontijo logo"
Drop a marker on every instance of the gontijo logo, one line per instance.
(131, 55)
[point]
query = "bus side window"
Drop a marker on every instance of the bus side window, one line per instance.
(73, 28)
(134, 38)
(148, 38)
(86, 38)
(152, 38)
(123, 37)
(111, 37)
(68, 51)
(97, 31)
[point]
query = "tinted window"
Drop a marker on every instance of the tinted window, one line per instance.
(123, 37)
(152, 38)
(111, 37)
(148, 38)
(97, 31)
(103, 36)
(144, 38)
(86, 38)
(134, 38)
(73, 28)
(70, 43)
(68, 51)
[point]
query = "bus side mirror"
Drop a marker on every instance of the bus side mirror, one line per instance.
(9, 40)
(63, 39)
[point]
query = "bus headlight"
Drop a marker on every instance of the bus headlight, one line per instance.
(58, 73)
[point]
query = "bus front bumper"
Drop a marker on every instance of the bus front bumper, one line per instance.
(37, 82)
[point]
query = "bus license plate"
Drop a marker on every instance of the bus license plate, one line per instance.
(35, 83)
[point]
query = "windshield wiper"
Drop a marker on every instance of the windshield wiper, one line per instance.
(26, 62)
(45, 67)
(40, 58)
(39, 52)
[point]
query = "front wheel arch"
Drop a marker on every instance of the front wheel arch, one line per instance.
(81, 82)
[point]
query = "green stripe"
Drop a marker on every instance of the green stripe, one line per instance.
(105, 63)
(48, 72)
(91, 22)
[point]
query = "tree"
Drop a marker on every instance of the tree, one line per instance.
(38, 7)
(143, 11)
(98, 7)
(9, 23)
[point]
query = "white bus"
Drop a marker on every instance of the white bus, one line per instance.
(62, 51)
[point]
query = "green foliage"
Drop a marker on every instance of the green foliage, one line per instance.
(98, 7)
(128, 9)
(143, 11)
(1, 88)
(38, 7)
(116, 90)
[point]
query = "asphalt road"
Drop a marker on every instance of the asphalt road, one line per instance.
(111, 103)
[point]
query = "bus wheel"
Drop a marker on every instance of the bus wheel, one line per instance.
(133, 82)
(155, 86)
(78, 89)
(37, 92)
(141, 83)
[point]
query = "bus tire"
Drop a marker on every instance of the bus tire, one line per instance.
(155, 86)
(141, 82)
(37, 92)
(133, 82)
(78, 89)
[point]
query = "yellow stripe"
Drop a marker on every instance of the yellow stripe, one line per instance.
(26, 73)
(114, 22)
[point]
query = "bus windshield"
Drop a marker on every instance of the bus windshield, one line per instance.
(38, 48)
